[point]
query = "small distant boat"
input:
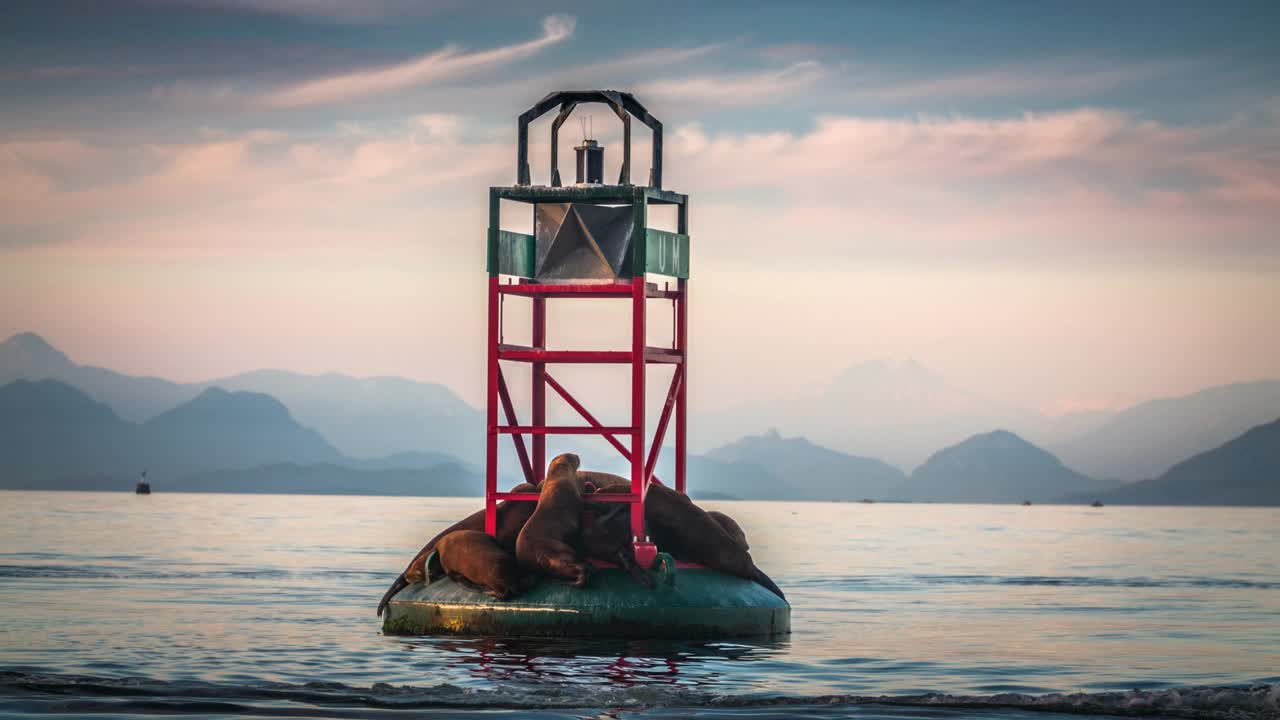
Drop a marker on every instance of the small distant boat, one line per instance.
(1026, 503)
(143, 487)
(1096, 503)
(867, 501)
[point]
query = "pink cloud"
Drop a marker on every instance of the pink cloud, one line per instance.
(443, 64)
(736, 88)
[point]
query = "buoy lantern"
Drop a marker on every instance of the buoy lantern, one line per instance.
(592, 240)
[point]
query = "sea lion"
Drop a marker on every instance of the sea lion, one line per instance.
(691, 534)
(606, 535)
(477, 562)
(544, 542)
(730, 526)
(608, 482)
(512, 516)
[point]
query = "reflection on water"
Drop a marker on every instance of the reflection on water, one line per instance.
(623, 663)
(243, 591)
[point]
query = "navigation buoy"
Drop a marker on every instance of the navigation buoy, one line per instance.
(592, 240)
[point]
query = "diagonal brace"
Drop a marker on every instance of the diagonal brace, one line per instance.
(660, 432)
(510, 412)
(591, 420)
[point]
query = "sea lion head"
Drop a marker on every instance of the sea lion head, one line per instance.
(561, 461)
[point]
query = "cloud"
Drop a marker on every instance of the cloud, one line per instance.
(194, 96)
(444, 64)
(247, 192)
(339, 11)
(1070, 184)
(1060, 78)
(1103, 145)
(1082, 183)
(737, 88)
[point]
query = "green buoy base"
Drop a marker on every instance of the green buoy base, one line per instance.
(686, 604)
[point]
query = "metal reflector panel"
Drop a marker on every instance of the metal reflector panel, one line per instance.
(577, 241)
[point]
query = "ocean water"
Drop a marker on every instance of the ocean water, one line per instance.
(115, 605)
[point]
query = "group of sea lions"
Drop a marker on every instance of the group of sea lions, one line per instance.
(549, 537)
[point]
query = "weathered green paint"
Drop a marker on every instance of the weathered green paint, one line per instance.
(495, 221)
(619, 194)
(665, 197)
(511, 253)
(685, 604)
(666, 253)
(639, 218)
(605, 194)
(657, 251)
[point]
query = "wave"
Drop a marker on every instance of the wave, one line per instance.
(72, 693)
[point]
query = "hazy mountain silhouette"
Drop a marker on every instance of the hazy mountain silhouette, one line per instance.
(220, 429)
(898, 412)
(1147, 439)
(361, 417)
(409, 461)
(771, 467)
(53, 430)
(372, 417)
(26, 356)
(1243, 471)
(57, 438)
(994, 467)
(804, 471)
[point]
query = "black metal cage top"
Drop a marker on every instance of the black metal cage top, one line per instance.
(624, 105)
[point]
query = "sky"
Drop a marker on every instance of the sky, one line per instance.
(1064, 206)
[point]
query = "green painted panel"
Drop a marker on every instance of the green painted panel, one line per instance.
(511, 253)
(686, 604)
(666, 253)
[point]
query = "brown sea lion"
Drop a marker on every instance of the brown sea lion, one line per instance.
(511, 518)
(608, 482)
(731, 527)
(691, 534)
(606, 535)
(602, 480)
(544, 543)
(477, 562)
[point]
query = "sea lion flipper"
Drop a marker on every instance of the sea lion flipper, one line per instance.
(759, 576)
(399, 584)
(626, 558)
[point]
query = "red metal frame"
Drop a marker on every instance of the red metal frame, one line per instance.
(639, 356)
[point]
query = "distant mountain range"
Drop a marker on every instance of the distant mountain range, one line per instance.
(1149, 438)
(996, 467)
(1244, 471)
(903, 412)
(79, 425)
(57, 437)
(993, 467)
(360, 417)
(800, 470)
(899, 412)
